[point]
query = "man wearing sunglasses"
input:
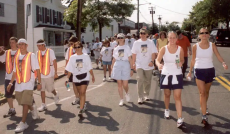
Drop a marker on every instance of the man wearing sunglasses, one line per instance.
(143, 53)
(183, 42)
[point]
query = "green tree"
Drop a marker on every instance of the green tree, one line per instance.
(173, 26)
(163, 28)
(99, 14)
(154, 29)
(188, 25)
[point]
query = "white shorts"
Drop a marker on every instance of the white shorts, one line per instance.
(121, 70)
(96, 55)
(47, 84)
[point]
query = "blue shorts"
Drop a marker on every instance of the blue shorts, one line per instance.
(9, 94)
(121, 70)
(171, 86)
(207, 75)
(107, 62)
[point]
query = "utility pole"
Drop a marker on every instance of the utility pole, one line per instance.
(138, 17)
(159, 21)
(152, 11)
(79, 10)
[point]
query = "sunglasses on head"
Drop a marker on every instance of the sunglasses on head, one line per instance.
(77, 47)
(120, 38)
(204, 33)
(143, 33)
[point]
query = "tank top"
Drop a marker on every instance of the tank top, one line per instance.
(170, 67)
(204, 57)
(162, 43)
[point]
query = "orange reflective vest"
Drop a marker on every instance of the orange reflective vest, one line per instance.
(44, 62)
(23, 68)
(10, 61)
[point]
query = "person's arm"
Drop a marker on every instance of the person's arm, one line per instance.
(159, 58)
(157, 45)
(131, 66)
(216, 52)
(91, 73)
(113, 61)
(181, 57)
(192, 61)
(55, 68)
(39, 86)
(189, 47)
(134, 61)
(11, 81)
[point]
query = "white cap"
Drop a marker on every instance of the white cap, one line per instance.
(22, 41)
(128, 34)
(121, 35)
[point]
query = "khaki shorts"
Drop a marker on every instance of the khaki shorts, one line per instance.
(48, 84)
(25, 97)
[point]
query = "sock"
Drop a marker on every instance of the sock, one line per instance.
(12, 109)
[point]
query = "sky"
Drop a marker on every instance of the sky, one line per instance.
(183, 7)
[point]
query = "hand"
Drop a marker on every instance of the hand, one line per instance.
(55, 76)
(180, 64)
(150, 64)
(190, 52)
(66, 83)
(39, 87)
(225, 66)
(134, 67)
(93, 79)
(8, 88)
(160, 66)
(189, 75)
(131, 73)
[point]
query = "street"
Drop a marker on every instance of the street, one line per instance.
(105, 116)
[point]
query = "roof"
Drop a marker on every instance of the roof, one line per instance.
(66, 2)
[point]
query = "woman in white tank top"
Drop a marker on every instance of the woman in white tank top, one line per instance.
(171, 76)
(202, 61)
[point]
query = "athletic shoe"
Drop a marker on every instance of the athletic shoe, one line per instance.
(34, 112)
(110, 78)
(80, 114)
(204, 120)
(140, 101)
(121, 103)
(56, 98)
(42, 108)
(167, 114)
(146, 98)
(180, 122)
(207, 113)
(11, 112)
(127, 96)
(21, 127)
(104, 79)
(76, 101)
(85, 107)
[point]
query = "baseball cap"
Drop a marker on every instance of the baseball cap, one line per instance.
(22, 41)
(156, 34)
(142, 30)
(120, 35)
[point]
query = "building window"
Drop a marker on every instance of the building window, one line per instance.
(40, 14)
(2, 9)
(48, 15)
(55, 17)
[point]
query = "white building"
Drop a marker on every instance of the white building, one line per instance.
(90, 35)
(44, 20)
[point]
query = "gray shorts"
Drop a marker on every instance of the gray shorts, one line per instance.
(121, 70)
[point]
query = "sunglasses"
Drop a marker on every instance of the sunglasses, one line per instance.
(120, 38)
(143, 33)
(204, 33)
(77, 47)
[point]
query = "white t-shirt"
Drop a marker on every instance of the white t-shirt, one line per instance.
(97, 48)
(29, 85)
(79, 64)
(144, 51)
(114, 44)
(130, 42)
(3, 59)
(52, 58)
(84, 51)
(106, 53)
(122, 52)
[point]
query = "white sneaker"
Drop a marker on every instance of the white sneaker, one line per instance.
(42, 107)
(34, 112)
(110, 78)
(76, 101)
(56, 98)
(121, 102)
(21, 127)
(140, 101)
(146, 98)
(167, 113)
(104, 79)
(127, 96)
(180, 122)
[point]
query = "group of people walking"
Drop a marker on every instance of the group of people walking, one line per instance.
(123, 56)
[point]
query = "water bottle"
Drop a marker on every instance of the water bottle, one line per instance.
(67, 86)
(177, 61)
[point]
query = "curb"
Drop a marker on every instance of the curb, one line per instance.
(4, 100)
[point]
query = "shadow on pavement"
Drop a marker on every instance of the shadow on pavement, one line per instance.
(103, 118)
(133, 81)
(61, 114)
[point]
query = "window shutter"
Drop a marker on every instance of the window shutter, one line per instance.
(54, 17)
(51, 17)
(61, 18)
(43, 14)
(37, 13)
(46, 18)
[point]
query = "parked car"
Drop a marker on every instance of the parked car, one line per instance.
(220, 36)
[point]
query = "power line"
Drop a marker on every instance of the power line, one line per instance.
(144, 17)
(169, 9)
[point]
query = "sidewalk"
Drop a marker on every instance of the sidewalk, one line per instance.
(60, 71)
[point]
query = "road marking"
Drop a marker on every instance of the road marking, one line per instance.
(222, 83)
(225, 80)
